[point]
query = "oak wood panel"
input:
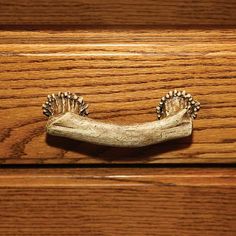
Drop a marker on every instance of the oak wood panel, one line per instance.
(117, 35)
(119, 12)
(122, 75)
(118, 202)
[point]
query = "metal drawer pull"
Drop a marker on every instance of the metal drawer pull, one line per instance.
(67, 118)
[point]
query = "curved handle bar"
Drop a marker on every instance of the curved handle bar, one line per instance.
(68, 112)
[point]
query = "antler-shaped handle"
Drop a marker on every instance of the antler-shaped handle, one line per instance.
(68, 113)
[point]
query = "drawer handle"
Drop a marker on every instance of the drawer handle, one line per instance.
(68, 112)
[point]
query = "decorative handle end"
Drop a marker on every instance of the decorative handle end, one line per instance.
(175, 101)
(61, 103)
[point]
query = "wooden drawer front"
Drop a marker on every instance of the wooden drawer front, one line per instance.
(119, 12)
(118, 202)
(121, 75)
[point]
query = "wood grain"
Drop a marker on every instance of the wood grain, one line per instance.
(121, 75)
(118, 202)
(119, 12)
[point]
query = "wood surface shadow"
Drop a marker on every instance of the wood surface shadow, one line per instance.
(117, 154)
